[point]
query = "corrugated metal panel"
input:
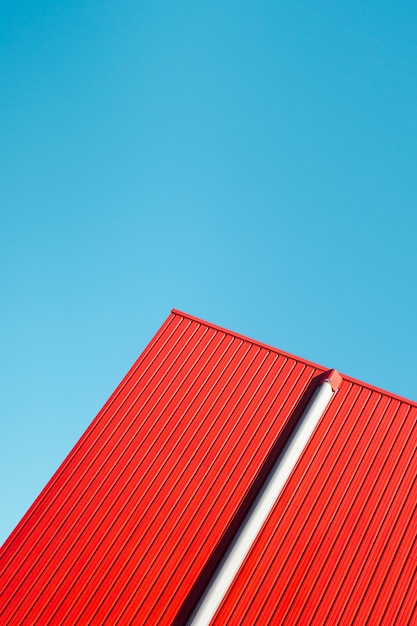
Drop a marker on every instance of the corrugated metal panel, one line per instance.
(133, 523)
(340, 545)
(137, 517)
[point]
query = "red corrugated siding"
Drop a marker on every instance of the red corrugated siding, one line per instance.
(338, 546)
(137, 516)
(130, 521)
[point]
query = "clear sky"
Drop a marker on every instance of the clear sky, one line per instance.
(250, 163)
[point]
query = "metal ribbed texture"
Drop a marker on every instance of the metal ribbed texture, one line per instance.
(340, 545)
(132, 524)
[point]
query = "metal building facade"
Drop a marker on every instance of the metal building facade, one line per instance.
(134, 522)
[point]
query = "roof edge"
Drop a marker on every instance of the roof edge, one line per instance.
(345, 377)
(246, 338)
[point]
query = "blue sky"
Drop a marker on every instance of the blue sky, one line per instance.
(250, 163)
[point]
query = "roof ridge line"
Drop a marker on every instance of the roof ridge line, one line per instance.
(253, 341)
(345, 377)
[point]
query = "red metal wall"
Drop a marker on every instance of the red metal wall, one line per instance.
(340, 545)
(134, 521)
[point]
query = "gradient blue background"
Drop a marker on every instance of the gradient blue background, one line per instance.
(250, 163)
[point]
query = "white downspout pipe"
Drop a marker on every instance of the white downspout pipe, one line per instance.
(261, 507)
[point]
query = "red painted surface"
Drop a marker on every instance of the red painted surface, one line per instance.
(334, 379)
(133, 523)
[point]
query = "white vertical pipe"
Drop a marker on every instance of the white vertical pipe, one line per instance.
(261, 507)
